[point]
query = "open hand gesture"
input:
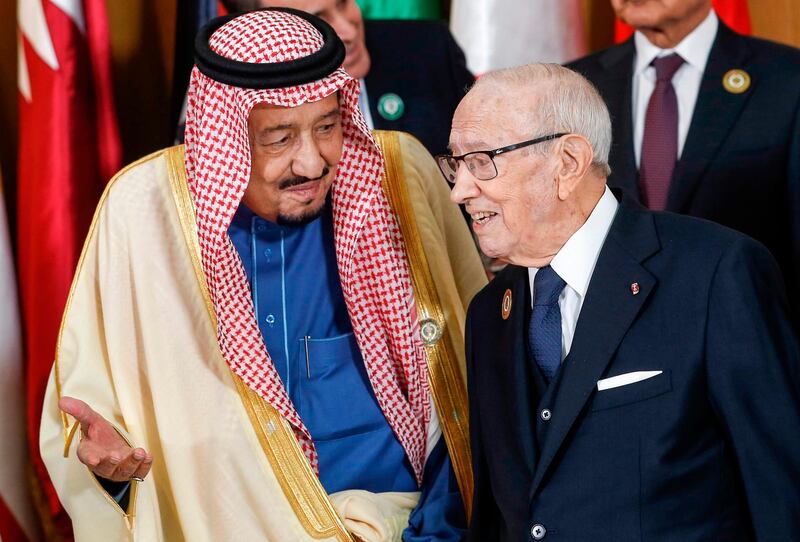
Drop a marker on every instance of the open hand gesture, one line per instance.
(102, 449)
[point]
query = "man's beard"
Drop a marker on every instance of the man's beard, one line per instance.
(311, 214)
(301, 220)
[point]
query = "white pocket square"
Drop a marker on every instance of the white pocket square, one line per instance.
(625, 379)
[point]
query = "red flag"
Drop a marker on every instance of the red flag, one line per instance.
(10, 529)
(733, 13)
(68, 148)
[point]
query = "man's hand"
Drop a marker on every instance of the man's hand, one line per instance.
(102, 449)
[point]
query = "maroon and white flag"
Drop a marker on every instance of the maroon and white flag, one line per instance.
(68, 149)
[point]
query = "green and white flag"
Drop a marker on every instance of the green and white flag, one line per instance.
(400, 9)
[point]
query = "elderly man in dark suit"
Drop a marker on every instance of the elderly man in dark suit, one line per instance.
(632, 374)
(706, 123)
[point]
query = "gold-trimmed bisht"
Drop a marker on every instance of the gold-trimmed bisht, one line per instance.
(299, 483)
(446, 382)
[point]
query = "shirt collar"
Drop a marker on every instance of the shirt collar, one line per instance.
(575, 262)
(363, 104)
(694, 48)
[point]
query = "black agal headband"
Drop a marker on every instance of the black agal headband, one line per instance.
(264, 75)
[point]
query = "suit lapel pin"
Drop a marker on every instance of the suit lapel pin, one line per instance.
(505, 308)
(635, 288)
(736, 81)
(391, 106)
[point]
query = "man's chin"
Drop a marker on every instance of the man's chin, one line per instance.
(359, 68)
(302, 218)
(493, 249)
(490, 251)
(640, 15)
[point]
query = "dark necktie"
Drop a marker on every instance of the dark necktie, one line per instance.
(544, 331)
(660, 141)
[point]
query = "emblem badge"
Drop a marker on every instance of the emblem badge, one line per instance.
(391, 106)
(505, 307)
(635, 288)
(736, 81)
(430, 331)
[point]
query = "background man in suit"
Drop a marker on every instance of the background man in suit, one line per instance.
(413, 74)
(706, 122)
(632, 375)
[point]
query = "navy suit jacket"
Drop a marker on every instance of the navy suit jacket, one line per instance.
(706, 450)
(420, 62)
(740, 164)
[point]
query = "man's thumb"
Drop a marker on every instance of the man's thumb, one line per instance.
(78, 410)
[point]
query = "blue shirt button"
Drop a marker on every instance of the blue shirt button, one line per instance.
(260, 226)
(270, 319)
(268, 253)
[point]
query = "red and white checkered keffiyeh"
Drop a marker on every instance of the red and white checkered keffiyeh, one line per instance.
(370, 251)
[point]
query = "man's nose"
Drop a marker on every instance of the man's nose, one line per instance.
(465, 187)
(308, 161)
(343, 27)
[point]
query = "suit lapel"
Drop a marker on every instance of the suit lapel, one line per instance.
(714, 115)
(616, 88)
(607, 313)
(515, 374)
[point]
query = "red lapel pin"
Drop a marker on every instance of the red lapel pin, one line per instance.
(505, 308)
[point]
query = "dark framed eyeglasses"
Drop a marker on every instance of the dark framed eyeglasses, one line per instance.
(481, 163)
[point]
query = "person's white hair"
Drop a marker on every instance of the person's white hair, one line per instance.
(565, 102)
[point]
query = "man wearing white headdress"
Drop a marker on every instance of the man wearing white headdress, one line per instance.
(263, 339)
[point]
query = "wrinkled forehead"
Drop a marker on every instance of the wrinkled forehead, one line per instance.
(487, 119)
(266, 37)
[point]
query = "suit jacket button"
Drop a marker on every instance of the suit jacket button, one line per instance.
(538, 531)
(545, 414)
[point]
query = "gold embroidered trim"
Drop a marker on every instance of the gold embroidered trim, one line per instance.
(130, 514)
(185, 207)
(300, 485)
(446, 382)
(71, 436)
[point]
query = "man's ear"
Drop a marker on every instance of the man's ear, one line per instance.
(576, 155)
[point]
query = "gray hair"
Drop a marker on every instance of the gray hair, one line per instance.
(566, 102)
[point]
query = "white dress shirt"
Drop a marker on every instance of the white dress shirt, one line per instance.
(694, 49)
(575, 263)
